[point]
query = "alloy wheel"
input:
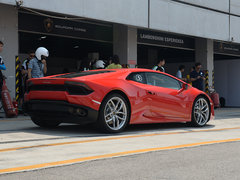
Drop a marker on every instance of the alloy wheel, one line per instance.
(201, 111)
(115, 113)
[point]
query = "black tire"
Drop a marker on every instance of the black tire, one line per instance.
(44, 122)
(106, 127)
(196, 119)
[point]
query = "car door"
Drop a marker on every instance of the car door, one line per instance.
(169, 101)
(142, 99)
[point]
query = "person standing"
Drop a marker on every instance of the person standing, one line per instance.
(109, 61)
(126, 66)
(188, 75)
(37, 66)
(115, 63)
(160, 66)
(2, 67)
(100, 64)
(197, 77)
(85, 64)
(180, 72)
(24, 69)
(24, 76)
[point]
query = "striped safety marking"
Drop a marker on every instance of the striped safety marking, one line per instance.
(17, 73)
(207, 82)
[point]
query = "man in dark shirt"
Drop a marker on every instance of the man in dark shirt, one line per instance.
(24, 69)
(159, 66)
(197, 77)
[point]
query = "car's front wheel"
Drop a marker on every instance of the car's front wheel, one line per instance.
(114, 114)
(44, 122)
(200, 112)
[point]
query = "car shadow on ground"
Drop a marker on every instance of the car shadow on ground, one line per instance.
(66, 131)
(73, 130)
(164, 127)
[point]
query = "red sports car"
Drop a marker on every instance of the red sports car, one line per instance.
(115, 98)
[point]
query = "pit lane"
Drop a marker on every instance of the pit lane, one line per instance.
(25, 145)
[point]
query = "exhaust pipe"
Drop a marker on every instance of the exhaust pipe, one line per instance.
(77, 111)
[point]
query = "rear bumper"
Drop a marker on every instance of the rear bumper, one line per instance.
(61, 111)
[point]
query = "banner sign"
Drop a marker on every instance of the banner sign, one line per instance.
(163, 39)
(227, 48)
(40, 24)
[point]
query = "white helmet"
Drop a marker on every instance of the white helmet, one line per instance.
(41, 51)
(100, 64)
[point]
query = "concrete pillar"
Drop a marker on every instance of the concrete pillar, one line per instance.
(205, 55)
(125, 43)
(9, 36)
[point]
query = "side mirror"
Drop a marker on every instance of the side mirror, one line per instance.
(184, 86)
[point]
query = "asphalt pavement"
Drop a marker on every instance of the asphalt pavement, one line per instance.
(218, 161)
(157, 151)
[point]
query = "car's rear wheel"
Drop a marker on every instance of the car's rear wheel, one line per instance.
(114, 114)
(45, 122)
(200, 112)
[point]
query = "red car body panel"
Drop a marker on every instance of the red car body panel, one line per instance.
(149, 104)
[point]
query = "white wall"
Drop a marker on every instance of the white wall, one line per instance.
(235, 21)
(130, 12)
(133, 12)
(221, 5)
(164, 15)
(176, 17)
(235, 26)
(227, 81)
(9, 36)
(235, 7)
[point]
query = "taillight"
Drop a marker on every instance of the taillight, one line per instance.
(77, 88)
(72, 87)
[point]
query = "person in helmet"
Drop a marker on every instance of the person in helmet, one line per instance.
(37, 66)
(100, 64)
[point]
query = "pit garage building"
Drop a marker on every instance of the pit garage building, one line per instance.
(139, 31)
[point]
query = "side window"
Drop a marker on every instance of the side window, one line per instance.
(137, 77)
(161, 80)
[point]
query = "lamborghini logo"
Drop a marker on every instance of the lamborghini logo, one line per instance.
(48, 24)
(221, 46)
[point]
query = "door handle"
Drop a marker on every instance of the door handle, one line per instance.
(150, 92)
